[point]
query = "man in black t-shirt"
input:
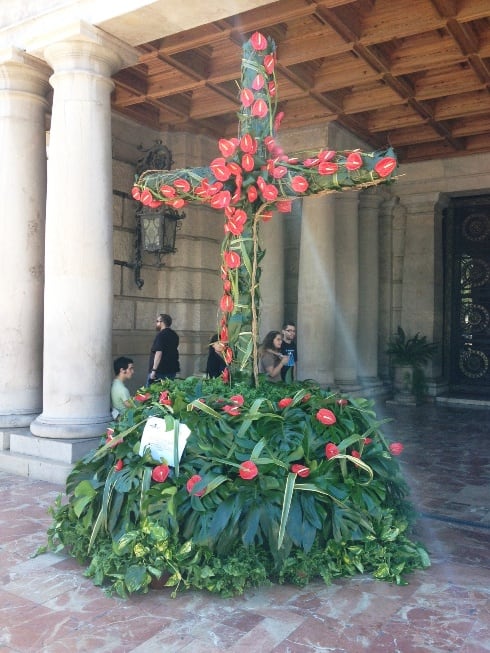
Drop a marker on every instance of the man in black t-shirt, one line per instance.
(164, 354)
(288, 347)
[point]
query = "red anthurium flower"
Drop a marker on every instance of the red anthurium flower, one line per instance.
(142, 397)
(177, 204)
(109, 431)
(299, 184)
(136, 193)
(306, 398)
(272, 88)
(246, 97)
(258, 41)
(284, 206)
(368, 440)
(331, 450)
(248, 144)
(278, 120)
(261, 183)
(252, 193)
(182, 185)
(285, 402)
(258, 82)
(225, 375)
(226, 303)
(228, 355)
(260, 109)
(160, 473)
(219, 169)
(269, 142)
(221, 199)
(238, 400)
(353, 161)
(386, 166)
(232, 259)
(119, 465)
(235, 169)
(342, 402)
(202, 189)
(227, 147)
(231, 227)
(165, 399)
(396, 448)
(355, 454)
(248, 470)
(300, 470)
(325, 416)
(231, 410)
(269, 193)
(278, 172)
(227, 285)
(146, 197)
(194, 480)
(248, 162)
(214, 188)
(326, 155)
(269, 63)
(309, 163)
(327, 167)
(155, 204)
(223, 334)
(266, 216)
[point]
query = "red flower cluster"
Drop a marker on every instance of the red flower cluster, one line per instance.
(325, 416)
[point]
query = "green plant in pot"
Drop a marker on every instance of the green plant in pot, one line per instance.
(409, 355)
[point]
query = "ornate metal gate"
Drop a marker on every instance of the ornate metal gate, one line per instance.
(467, 282)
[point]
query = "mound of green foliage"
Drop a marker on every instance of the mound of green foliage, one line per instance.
(279, 483)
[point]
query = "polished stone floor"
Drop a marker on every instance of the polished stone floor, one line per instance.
(46, 604)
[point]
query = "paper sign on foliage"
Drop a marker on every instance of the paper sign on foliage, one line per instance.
(158, 438)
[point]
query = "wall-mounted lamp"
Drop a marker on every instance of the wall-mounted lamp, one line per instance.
(156, 229)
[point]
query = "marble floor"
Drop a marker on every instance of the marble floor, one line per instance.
(47, 605)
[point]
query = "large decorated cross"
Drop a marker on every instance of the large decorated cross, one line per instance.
(252, 177)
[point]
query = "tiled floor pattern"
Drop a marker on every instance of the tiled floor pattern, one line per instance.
(46, 604)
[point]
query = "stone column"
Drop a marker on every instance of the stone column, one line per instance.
(316, 290)
(346, 289)
(23, 90)
(78, 290)
(272, 277)
(367, 341)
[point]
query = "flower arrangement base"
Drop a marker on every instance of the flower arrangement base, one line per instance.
(275, 483)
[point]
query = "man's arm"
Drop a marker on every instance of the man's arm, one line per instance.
(156, 362)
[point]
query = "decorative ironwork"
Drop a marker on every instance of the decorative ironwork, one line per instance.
(475, 318)
(473, 363)
(476, 227)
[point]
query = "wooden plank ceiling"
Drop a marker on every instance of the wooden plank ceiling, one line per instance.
(414, 74)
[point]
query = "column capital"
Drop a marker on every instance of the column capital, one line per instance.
(421, 202)
(70, 46)
(23, 73)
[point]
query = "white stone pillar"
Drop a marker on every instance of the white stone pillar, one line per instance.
(23, 90)
(346, 289)
(367, 340)
(316, 290)
(272, 276)
(78, 290)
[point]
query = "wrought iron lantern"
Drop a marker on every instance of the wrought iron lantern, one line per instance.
(159, 229)
(156, 229)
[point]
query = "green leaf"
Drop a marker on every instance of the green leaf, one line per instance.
(286, 505)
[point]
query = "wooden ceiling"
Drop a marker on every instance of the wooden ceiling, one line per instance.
(414, 74)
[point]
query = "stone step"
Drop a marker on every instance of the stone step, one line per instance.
(40, 469)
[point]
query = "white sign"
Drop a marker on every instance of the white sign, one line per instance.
(160, 441)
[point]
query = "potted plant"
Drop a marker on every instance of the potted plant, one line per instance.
(409, 355)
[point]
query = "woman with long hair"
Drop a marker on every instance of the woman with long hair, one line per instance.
(271, 359)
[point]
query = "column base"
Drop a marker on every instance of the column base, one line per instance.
(42, 459)
(17, 419)
(70, 429)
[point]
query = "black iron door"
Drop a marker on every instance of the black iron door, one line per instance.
(468, 294)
